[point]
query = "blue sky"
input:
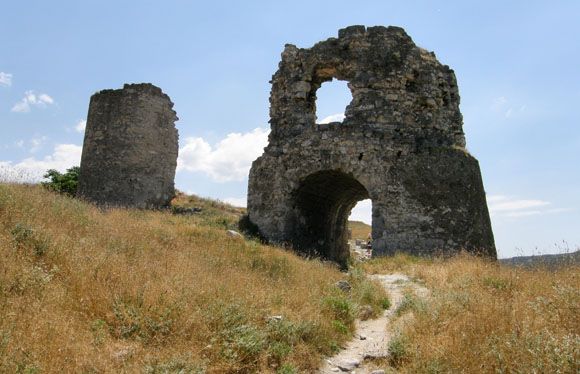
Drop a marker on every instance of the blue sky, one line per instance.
(517, 65)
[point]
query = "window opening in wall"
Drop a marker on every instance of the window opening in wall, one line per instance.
(332, 98)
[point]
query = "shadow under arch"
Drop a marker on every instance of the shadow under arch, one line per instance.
(322, 203)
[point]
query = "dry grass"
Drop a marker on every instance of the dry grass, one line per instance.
(482, 317)
(83, 290)
(359, 230)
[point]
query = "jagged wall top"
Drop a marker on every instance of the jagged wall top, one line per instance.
(396, 87)
(136, 89)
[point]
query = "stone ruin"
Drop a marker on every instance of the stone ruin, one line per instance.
(130, 148)
(401, 144)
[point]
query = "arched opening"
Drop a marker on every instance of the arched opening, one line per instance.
(332, 98)
(360, 228)
(322, 205)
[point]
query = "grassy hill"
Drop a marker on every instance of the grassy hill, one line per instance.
(86, 290)
(359, 230)
(120, 290)
(553, 261)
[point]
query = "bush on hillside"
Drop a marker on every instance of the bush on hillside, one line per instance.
(65, 183)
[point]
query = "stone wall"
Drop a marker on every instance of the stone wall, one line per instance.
(401, 144)
(130, 148)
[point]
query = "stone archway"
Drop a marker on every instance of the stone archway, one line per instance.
(401, 143)
(322, 203)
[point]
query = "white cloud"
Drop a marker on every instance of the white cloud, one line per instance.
(80, 126)
(64, 156)
(338, 117)
(31, 99)
(525, 213)
(500, 203)
(236, 201)
(36, 143)
(507, 206)
(33, 145)
(5, 79)
(229, 160)
(44, 98)
(362, 211)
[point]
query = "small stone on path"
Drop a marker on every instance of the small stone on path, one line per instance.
(348, 364)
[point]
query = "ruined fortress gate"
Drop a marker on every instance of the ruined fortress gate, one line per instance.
(130, 148)
(401, 145)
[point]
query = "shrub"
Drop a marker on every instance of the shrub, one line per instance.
(340, 327)
(65, 183)
(136, 320)
(287, 369)
(385, 303)
(290, 332)
(99, 329)
(366, 292)
(411, 302)
(24, 236)
(341, 308)
(242, 344)
(279, 350)
(21, 234)
(398, 350)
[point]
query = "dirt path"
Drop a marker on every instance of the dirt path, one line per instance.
(372, 337)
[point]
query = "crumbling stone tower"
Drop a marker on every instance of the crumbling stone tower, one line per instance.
(130, 148)
(401, 144)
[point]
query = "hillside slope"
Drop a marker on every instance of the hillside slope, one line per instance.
(484, 317)
(553, 261)
(359, 230)
(85, 290)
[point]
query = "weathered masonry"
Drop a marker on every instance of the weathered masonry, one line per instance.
(130, 148)
(401, 144)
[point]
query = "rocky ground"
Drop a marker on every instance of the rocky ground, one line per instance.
(359, 250)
